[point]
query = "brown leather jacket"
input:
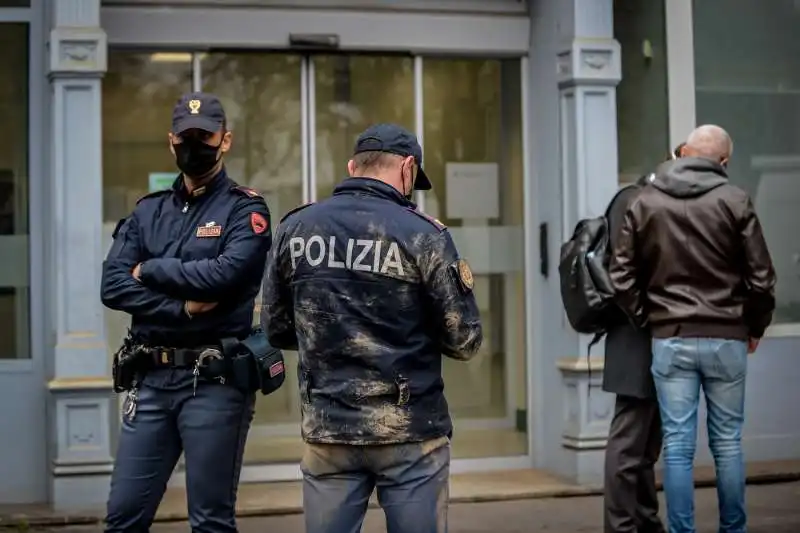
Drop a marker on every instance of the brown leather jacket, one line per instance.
(690, 259)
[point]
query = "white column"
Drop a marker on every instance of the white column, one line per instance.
(82, 401)
(574, 69)
(588, 70)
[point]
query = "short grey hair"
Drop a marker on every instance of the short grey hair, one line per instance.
(374, 160)
(710, 141)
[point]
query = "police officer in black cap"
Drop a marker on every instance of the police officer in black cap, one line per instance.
(186, 265)
(372, 292)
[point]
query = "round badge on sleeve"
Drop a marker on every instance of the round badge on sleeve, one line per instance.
(465, 274)
(258, 223)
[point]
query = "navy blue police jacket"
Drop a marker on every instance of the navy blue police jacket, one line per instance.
(372, 293)
(208, 246)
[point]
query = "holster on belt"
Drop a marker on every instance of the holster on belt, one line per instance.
(254, 364)
(130, 362)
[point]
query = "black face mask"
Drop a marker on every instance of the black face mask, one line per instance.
(196, 158)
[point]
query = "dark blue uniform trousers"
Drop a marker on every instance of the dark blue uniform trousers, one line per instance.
(210, 428)
(411, 481)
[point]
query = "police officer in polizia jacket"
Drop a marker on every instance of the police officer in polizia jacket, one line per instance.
(186, 265)
(372, 293)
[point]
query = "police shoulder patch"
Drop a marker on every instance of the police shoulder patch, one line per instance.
(295, 210)
(247, 191)
(435, 222)
(464, 275)
(154, 194)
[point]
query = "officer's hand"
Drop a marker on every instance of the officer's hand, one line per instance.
(137, 272)
(194, 308)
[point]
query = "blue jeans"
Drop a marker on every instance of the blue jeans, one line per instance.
(681, 366)
(411, 479)
(210, 429)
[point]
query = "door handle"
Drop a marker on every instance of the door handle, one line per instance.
(544, 259)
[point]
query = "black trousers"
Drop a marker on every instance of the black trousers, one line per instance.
(634, 444)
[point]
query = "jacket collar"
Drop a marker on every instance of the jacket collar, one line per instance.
(179, 188)
(371, 187)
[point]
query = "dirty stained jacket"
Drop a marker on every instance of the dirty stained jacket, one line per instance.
(208, 246)
(372, 293)
(691, 259)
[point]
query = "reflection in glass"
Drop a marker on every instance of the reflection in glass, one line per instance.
(261, 95)
(139, 92)
(14, 301)
(473, 143)
(642, 101)
(352, 93)
(750, 85)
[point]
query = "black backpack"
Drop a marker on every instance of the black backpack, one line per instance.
(586, 289)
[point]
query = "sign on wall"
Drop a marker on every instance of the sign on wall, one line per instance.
(159, 181)
(472, 190)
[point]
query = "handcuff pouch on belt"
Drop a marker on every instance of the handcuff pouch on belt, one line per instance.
(128, 365)
(255, 365)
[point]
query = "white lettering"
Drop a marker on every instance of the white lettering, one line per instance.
(296, 245)
(349, 259)
(315, 261)
(377, 258)
(367, 246)
(333, 263)
(357, 254)
(392, 259)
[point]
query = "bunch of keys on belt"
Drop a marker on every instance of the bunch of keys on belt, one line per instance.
(208, 353)
(131, 400)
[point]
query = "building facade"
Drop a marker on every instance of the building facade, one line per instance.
(531, 113)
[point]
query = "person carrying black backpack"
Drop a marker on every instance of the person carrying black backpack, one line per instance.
(634, 440)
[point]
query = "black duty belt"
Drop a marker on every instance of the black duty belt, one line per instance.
(182, 357)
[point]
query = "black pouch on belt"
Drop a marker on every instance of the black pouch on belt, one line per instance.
(255, 365)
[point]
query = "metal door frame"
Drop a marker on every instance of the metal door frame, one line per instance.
(35, 367)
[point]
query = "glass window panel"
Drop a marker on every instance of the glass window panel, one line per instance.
(139, 92)
(352, 93)
(642, 98)
(14, 278)
(261, 93)
(750, 85)
(474, 160)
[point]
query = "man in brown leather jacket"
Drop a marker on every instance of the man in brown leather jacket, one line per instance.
(692, 265)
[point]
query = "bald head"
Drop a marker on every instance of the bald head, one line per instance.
(709, 142)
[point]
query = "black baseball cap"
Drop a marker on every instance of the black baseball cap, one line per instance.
(393, 139)
(202, 111)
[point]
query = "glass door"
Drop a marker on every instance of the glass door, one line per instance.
(263, 96)
(473, 152)
(24, 472)
(352, 92)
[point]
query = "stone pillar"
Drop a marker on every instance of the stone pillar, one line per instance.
(82, 404)
(588, 69)
(587, 415)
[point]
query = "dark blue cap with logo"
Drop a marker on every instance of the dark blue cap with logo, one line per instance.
(393, 139)
(202, 111)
